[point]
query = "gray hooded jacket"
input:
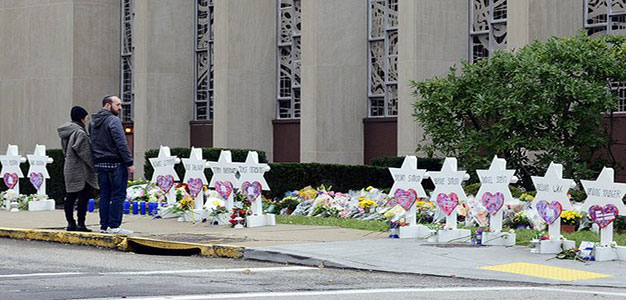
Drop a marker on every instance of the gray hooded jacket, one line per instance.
(108, 139)
(78, 168)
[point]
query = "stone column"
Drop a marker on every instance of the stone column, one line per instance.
(245, 74)
(164, 65)
(334, 80)
(531, 20)
(433, 35)
(53, 55)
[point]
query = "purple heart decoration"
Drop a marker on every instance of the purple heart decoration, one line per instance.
(195, 186)
(165, 182)
(252, 190)
(36, 179)
(224, 188)
(493, 202)
(447, 203)
(406, 198)
(603, 216)
(549, 212)
(10, 179)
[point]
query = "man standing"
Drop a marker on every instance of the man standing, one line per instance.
(112, 161)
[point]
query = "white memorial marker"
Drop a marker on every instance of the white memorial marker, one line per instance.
(196, 180)
(406, 188)
(11, 172)
(494, 192)
(550, 201)
(164, 174)
(604, 203)
(224, 178)
(38, 173)
(447, 194)
(251, 184)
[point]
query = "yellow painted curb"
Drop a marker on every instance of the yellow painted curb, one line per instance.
(544, 271)
(120, 242)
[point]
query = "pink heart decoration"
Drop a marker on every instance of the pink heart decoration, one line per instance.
(447, 203)
(36, 179)
(252, 190)
(10, 179)
(224, 188)
(165, 182)
(549, 212)
(493, 202)
(195, 186)
(406, 198)
(603, 216)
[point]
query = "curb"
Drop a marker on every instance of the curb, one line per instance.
(124, 243)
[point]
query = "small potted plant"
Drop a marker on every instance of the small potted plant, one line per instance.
(570, 219)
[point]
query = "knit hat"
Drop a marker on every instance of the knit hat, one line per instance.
(78, 113)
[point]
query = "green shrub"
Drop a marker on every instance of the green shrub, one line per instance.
(284, 177)
(430, 164)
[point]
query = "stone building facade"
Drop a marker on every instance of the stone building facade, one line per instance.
(303, 80)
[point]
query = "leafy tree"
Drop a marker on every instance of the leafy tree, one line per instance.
(544, 102)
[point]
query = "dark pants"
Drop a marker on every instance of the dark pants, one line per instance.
(83, 198)
(112, 195)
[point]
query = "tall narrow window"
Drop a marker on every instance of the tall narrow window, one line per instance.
(608, 17)
(605, 17)
(203, 74)
(127, 93)
(487, 28)
(289, 59)
(383, 58)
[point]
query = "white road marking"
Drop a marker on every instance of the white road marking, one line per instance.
(157, 272)
(39, 274)
(371, 291)
(252, 270)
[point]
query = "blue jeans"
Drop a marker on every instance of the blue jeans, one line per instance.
(112, 195)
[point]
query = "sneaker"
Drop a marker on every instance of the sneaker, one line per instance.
(104, 230)
(119, 231)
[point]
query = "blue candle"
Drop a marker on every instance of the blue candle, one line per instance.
(126, 207)
(152, 208)
(142, 207)
(135, 207)
(91, 205)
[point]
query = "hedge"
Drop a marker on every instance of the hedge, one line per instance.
(285, 177)
(55, 186)
(430, 164)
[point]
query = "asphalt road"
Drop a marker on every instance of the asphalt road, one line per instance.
(39, 270)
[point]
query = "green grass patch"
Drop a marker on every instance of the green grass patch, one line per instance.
(337, 222)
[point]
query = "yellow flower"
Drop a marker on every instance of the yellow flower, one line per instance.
(369, 188)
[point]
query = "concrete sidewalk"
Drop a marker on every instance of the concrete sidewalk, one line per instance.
(348, 248)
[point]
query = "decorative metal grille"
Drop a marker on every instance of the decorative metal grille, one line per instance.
(608, 17)
(289, 59)
(127, 93)
(203, 74)
(488, 30)
(383, 58)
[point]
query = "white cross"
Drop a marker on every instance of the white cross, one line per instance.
(224, 169)
(448, 181)
(37, 164)
(553, 187)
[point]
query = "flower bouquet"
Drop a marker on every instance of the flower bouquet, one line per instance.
(570, 219)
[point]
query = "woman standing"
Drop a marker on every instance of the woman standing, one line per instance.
(79, 172)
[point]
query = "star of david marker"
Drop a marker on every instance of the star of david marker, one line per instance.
(194, 175)
(164, 174)
(408, 177)
(11, 171)
(37, 170)
(224, 178)
(448, 190)
(552, 198)
(604, 202)
(252, 171)
(494, 190)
